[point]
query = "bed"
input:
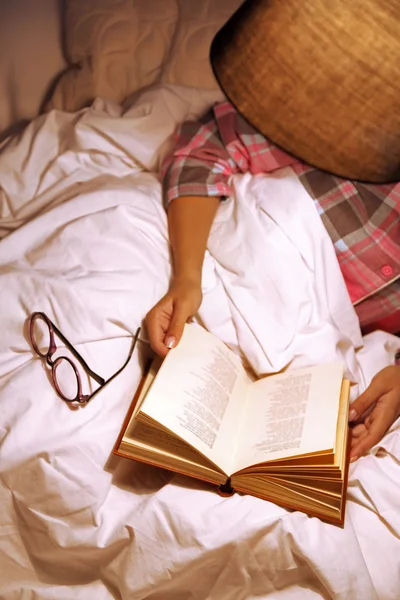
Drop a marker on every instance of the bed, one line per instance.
(84, 239)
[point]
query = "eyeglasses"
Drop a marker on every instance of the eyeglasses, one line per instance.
(64, 372)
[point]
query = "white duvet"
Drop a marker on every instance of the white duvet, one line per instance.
(85, 240)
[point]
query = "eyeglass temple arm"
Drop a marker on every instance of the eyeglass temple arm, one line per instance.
(100, 380)
(135, 340)
(78, 357)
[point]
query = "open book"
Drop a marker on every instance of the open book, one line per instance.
(283, 438)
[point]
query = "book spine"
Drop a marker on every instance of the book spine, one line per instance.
(225, 490)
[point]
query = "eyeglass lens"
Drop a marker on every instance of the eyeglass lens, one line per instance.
(65, 378)
(40, 333)
(64, 374)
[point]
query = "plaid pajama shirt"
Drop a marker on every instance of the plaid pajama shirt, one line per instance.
(363, 220)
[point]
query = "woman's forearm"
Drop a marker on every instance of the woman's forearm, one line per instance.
(189, 221)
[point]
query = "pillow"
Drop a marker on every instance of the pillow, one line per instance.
(115, 47)
(188, 62)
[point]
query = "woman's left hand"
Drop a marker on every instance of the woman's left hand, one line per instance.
(375, 411)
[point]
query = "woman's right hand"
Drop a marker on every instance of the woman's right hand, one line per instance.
(166, 320)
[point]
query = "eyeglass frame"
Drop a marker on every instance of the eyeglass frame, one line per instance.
(80, 398)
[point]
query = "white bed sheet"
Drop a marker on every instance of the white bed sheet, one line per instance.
(88, 245)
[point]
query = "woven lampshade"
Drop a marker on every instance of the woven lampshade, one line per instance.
(319, 78)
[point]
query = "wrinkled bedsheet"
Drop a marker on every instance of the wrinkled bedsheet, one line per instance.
(85, 240)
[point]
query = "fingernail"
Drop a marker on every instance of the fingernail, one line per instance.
(353, 414)
(354, 458)
(170, 341)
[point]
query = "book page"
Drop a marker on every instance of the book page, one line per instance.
(149, 378)
(172, 451)
(291, 414)
(141, 435)
(199, 394)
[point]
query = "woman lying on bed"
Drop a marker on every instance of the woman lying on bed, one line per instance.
(362, 220)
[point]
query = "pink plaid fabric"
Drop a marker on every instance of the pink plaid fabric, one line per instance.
(363, 220)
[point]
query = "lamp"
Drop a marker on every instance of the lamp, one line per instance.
(319, 78)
